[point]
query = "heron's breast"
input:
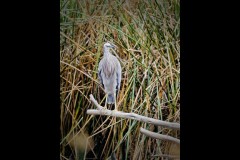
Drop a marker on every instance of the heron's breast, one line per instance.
(109, 68)
(110, 85)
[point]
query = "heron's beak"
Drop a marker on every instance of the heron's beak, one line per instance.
(113, 46)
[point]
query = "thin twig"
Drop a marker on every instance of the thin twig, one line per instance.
(159, 136)
(101, 111)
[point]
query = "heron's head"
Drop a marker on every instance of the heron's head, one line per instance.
(108, 45)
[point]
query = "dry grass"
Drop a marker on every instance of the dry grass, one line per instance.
(147, 34)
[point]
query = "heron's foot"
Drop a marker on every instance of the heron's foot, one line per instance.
(104, 108)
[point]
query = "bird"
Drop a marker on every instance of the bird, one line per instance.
(109, 73)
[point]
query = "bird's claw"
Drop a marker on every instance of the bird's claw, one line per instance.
(103, 109)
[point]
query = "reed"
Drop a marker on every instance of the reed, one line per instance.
(147, 34)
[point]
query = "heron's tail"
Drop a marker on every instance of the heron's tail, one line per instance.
(110, 99)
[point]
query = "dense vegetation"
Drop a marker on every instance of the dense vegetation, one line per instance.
(147, 34)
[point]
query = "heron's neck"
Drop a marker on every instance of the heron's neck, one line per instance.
(106, 52)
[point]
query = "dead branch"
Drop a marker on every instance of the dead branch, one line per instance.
(159, 136)
(101, 111)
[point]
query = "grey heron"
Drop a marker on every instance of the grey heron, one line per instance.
(109, 73)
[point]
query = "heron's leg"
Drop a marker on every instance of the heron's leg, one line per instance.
(115, 102)
(105, 102)
(105, 106)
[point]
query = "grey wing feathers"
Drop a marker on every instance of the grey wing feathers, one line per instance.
(119, 74)
(99, 72)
